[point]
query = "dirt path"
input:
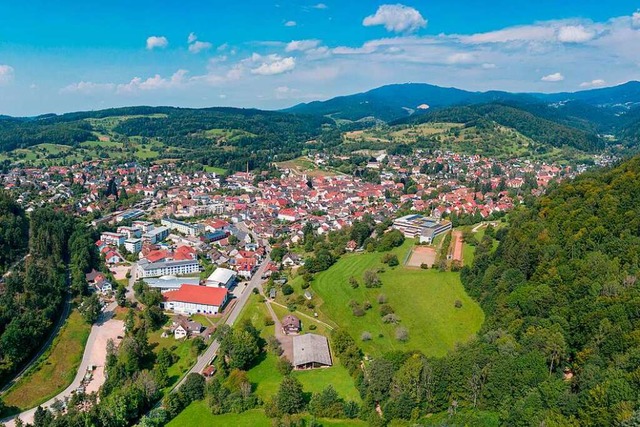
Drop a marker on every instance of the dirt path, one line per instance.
(456, 241)
(95, 354)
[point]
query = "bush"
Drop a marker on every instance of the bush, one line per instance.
(458, 304)
(366, 305)
(284, 367)
(268, 321)
(305, 285)
(371, 279)
(424, 266)
(391, 318)
(358, 311)
(390, 259)
(402, 334)
(312, 327)
(366, 336)
(382, 299)
(386, 309)
(353, 282)
(287, 289)
(255, 291)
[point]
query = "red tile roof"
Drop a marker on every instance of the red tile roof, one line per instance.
(197, 295)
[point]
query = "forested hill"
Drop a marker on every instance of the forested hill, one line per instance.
(549, 130)
(561, 341)
(398, 101)
(183, 125)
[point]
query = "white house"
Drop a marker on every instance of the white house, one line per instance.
(133, 245)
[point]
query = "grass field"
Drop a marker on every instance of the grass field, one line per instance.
(56, 368)
(197, 414)
(422, 299)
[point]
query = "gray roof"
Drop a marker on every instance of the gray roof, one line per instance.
(311, 348)
(168, 282)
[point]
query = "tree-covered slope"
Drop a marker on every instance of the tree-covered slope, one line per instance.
(516, 116)
(561, 294)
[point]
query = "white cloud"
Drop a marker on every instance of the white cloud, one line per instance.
(157, 42)
(555, 77)
(574, 34)
(593, 83)
(6, 74)
(461, 58)
(301, 45)
(635, 19)
(320, 6)
(397, 18)
(272, 64)
(198, 46)
(513, 34)
(192, 37)
(290, 24)
(153, 83)
(488, 66)
(88, 88)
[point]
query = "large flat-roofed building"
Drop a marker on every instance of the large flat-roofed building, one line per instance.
(311, 351)
(170, 283)
(192, 299)
(221, 278)
(168, 268)
(156, 235)
(129, 214)
(420, 227)
(183, 227)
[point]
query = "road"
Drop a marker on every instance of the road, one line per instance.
(94, 355)
(207, 357)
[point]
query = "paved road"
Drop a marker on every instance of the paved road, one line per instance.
(205, 358)
(94, 354)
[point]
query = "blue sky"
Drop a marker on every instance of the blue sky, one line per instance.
(69, 55)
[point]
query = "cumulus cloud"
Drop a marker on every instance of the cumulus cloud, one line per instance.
(198, 46)
(574, 34)
(301, 45)
(88, 88)
(290, 24)
(272, 64)
(635, 19)
(6, 74)
(593, 83)
(396, 18)
(157, 42)
(555, 77)
(153, 83)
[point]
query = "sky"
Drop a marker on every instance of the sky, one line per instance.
(65, 55)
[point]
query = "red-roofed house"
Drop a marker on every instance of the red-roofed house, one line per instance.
(184, 253)
(157, 256)
(191, 299)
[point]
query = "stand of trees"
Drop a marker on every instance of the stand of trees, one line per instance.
(33, 297)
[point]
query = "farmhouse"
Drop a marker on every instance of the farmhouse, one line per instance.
(311, 351)
(424, 228)
(221, 278)
(191, 299)
(290, 324)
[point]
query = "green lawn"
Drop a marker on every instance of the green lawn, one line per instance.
(218, 171)
(197, 414)
(182, 348)
(422, 299)
(56, 368)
